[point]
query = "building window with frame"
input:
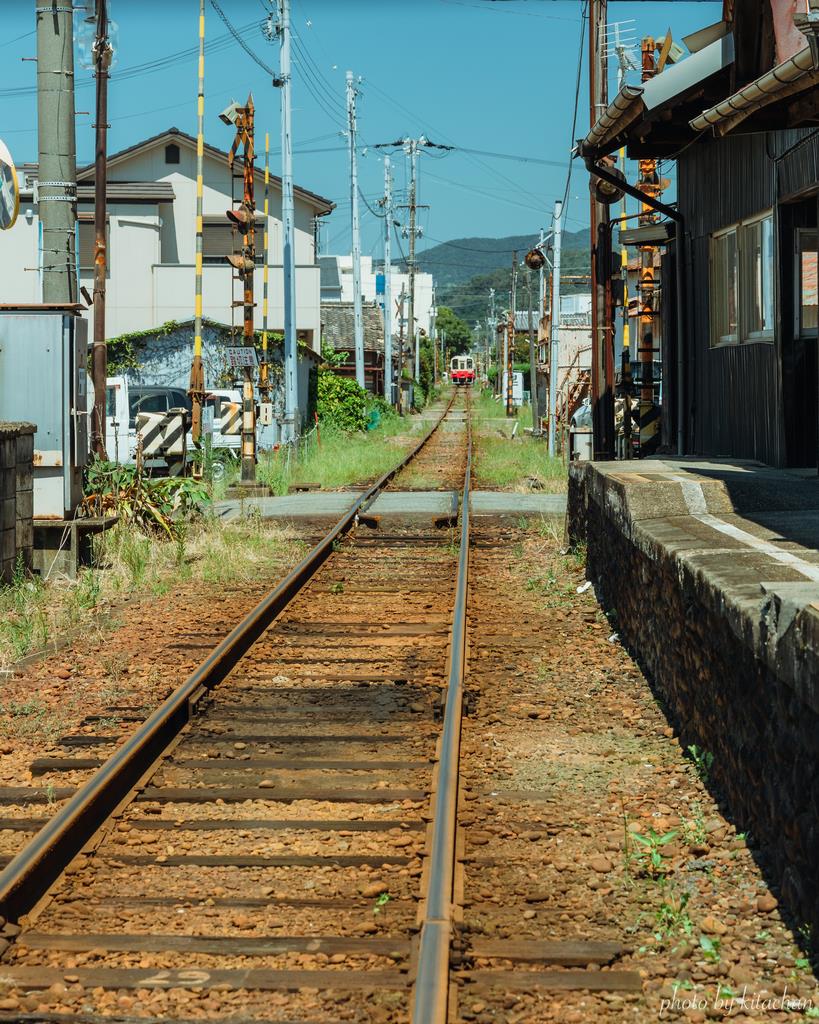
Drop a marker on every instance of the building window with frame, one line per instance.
(724, 287)
(742, 282)
(757, 280)
(221, 239)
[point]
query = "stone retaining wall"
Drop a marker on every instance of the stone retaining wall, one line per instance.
(16, 496)
(739, 679)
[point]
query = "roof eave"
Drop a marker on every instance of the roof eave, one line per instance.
(792, 76)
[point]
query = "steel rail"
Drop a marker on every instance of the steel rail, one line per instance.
(32, 872)
(431, 990)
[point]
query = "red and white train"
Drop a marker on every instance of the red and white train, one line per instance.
(462, 370)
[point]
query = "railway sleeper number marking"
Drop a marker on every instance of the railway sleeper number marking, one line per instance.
(168, 979)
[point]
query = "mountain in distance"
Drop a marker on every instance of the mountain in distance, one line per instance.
(462, 258)
(465, 269)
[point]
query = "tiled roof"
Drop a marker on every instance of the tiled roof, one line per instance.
(337, 326)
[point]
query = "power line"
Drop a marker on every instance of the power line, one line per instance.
(237, 36)
(583, 16)
(508, 156)
(138, 70)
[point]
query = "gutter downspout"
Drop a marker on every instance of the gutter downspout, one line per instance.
(679, 246)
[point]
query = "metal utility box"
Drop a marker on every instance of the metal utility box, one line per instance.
(43, 379)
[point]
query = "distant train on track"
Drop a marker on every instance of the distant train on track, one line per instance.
(462, 370)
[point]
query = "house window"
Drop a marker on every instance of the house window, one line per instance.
(742, 282)
(172, 153)
(220, 239)
(724, 287)
(808, 299)
(87, 243)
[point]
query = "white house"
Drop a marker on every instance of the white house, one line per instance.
(152, 240)
(337, 286)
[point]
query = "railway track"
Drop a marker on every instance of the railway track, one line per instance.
(290, 837)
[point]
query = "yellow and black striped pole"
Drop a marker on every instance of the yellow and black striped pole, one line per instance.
(197, 381)
(264, 375)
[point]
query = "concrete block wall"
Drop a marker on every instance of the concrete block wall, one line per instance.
(738, 679)
(16, 496)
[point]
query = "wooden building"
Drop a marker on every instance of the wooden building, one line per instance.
(740, 115)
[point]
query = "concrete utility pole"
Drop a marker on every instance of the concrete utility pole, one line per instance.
(648, 413)
(57, 171)
(494, 336)
(413, 151)
(358, 322)
(291, 386)
(602, 349)
(532, 357)
(510, 347)
(624, 62)
(401, 355)
(388, 395)
(245, 264)
(99, 357)
(554, 355)
(196, 388)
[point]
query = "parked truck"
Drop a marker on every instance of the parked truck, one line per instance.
(161, 417)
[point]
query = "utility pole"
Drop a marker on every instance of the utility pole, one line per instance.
(196, 388)
(602, 361)
(57, 170)
(291, 386)
(532, 358)
(510, 346)
(494, 338)
(401, 360)
(649, 183)
(245, 264)
(387, 282)
(358, 322)
(264, 366)
(554, 355)
(413, 151)
(99, 357)
(623, 64)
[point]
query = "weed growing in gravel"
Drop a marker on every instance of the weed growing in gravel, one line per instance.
(30, 717)
(23, 623)
(710, 948)
(135, 551)
(337, 588)
(702, 760)
(671, 918)
(648, 855)
(382, 901)
(694, 828)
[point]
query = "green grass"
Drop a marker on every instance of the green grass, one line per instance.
(508, 464)
(486, 407)
(339, 459)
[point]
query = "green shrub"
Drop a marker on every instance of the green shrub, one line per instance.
(341, 402)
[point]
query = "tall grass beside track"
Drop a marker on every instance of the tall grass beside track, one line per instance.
(519, 464)
(127, 564)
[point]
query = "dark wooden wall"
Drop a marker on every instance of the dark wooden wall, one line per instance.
(734, 394)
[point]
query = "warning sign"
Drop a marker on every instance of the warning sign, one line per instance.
(240, 356)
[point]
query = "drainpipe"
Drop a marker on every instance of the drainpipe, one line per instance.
(679, 246)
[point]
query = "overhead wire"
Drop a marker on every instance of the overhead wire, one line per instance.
(583, 16)
(238, 37)
(219, 44)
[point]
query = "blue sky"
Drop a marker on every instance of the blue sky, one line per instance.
(495, 77)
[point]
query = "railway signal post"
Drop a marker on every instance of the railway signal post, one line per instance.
(244, 217)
